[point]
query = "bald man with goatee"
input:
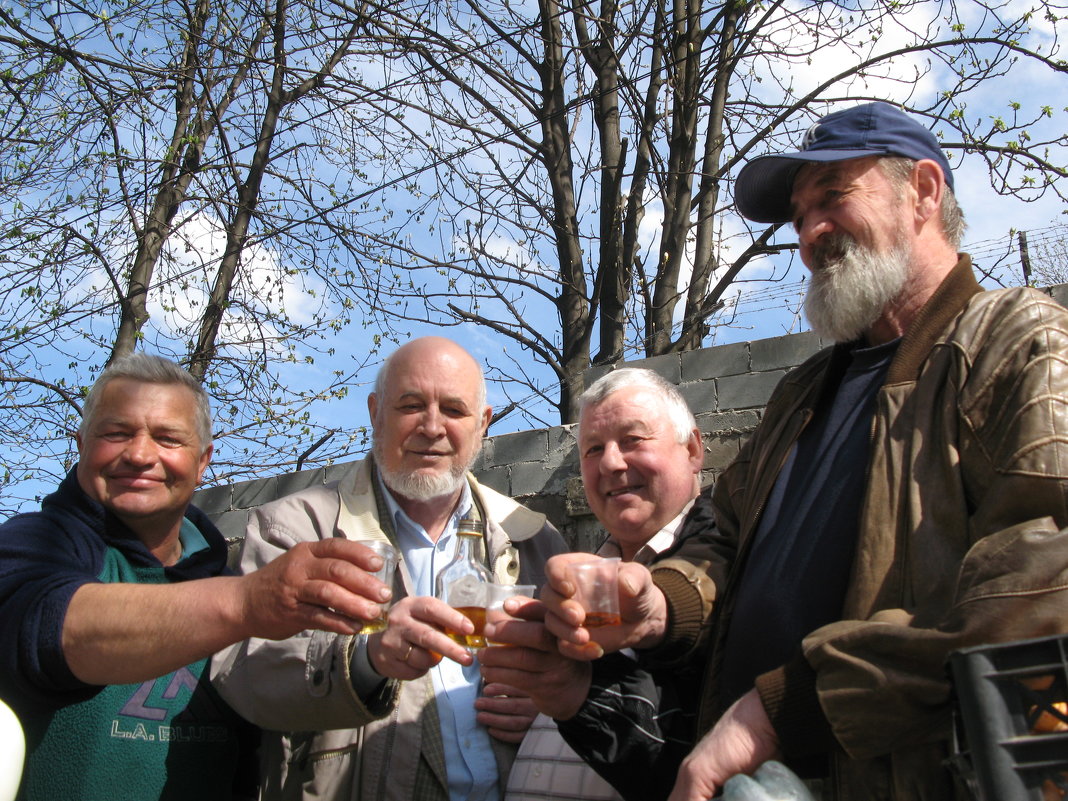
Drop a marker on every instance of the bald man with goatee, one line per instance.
(399, 714)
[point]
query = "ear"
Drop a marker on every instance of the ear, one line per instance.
(487, 415)
(205, 459)
(372, 407)
(929, 184)
(695, 449)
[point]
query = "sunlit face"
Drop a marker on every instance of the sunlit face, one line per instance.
(140, 455)
(854, 237)
(428, 424)
(853, 196)
(636, 474)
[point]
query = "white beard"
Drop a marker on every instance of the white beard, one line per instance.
(421, 487)
(852, 286)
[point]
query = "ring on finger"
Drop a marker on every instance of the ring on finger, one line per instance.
(408, 652)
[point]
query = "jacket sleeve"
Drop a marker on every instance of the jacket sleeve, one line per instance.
(42, 564)
(302, 683)
(995, 533)
(692, 574)
(633, 730)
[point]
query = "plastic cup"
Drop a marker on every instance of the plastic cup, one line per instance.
(497, 594)
(597, 590)
(385, 575)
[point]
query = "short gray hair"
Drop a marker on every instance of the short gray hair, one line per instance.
(679, 414)
(149, 369)
(899, 169)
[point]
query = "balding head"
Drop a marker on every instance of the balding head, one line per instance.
(429, 414)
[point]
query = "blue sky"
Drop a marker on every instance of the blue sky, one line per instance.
(763, 310)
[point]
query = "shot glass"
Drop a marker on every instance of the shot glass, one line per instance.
(497, 594)
(383, 574)
(597, 590)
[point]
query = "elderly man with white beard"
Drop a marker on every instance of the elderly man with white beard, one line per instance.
(397, 715)
(904, 495)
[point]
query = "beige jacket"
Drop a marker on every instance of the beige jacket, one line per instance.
(321, 741)
(960, 538)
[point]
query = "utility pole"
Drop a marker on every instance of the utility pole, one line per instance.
(1025, 258)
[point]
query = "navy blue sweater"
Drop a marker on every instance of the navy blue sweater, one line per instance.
(171, 737)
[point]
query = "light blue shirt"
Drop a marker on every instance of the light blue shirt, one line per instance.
(471, 764)
(191, 538)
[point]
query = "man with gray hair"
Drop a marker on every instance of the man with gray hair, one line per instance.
(394, 715)
(114, 594)
(640, 454)
(905, 494)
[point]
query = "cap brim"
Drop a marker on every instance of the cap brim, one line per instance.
(764, 185)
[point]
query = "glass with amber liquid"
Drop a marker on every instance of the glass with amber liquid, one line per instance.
(462, 583)
(597, 590)
(385, 575)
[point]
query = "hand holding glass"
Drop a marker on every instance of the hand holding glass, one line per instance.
(597, 590)
(384, 574)
(497, 594)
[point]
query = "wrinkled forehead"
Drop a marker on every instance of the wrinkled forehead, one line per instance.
(820, 174)
(631, 409)
(815, 177)
(433, 374)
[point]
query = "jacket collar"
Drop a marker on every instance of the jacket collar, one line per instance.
(945, 304)
(359, 519)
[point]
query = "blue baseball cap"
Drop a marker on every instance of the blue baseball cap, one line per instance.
(762, 191)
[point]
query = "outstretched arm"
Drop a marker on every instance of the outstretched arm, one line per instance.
(124, 633)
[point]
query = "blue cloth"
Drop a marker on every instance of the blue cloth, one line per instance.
(170, 737)
(795, 576)
(472, 766)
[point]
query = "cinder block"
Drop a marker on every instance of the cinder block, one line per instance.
(668, 366)
(249, 494)
(585, 535)
(1059, 292)
(213, 500)
(575, 498)
(522, 446)
(699, 395)
(747, 391)
(730, 421)
(721, 450)
(495, 478)
(485, 456)
(232, 524)
(786, 351)
(708, 478)
(563, 447)
(338, 471)
(295, 482)
(706, 363)
(528, 478)
(597, 371)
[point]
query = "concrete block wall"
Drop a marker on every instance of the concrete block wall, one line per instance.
(726, 387)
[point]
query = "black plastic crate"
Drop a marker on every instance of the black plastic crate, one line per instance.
(1012, 718)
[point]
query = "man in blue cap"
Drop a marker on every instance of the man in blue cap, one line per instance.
(904, 496)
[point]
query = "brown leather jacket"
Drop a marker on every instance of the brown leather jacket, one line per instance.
(960, 539)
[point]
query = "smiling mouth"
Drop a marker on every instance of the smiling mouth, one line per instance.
(137, 480)
(622, 491)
